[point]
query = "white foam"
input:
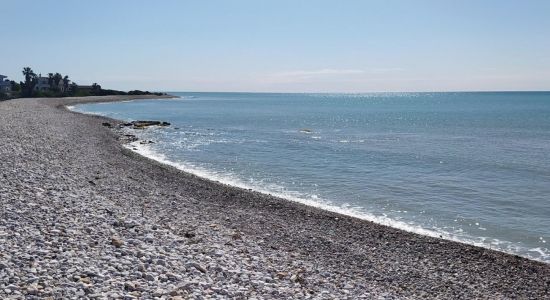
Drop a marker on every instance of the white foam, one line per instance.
(358, 212)
(542, 253)
(455, 234)
(76, 108)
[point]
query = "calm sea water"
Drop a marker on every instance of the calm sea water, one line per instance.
(472, 167)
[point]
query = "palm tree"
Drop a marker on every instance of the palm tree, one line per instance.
(66, 83)
(29, 74)
(30, 82)
(57, 79)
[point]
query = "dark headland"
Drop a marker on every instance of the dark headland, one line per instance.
(81, 216)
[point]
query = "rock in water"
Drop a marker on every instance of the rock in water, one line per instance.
(141, 124)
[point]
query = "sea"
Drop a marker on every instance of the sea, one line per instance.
(472, 167)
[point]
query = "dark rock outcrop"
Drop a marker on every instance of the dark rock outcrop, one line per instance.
(144, 124)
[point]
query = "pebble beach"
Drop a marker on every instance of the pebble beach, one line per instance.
(83, 217)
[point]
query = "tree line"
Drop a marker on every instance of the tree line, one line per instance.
(60, 86)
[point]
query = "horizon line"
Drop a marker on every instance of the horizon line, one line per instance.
(372, 92)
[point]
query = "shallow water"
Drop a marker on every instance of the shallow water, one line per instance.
(472, 167)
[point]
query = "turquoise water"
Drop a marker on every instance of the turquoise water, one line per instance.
(472, 167)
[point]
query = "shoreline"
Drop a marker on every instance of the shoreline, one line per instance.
(336, 255)
(144, 151)
(499, 246)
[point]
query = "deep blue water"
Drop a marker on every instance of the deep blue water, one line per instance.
(473, 167)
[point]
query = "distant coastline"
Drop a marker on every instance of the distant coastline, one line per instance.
(55, 85)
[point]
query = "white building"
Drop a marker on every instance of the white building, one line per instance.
(42, 84)
(5, 84)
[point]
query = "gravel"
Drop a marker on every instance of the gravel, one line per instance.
(82, 217)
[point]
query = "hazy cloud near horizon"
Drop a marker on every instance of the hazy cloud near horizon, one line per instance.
(283, 46)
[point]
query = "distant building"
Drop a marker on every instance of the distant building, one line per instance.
(5, 84)
(42, 84)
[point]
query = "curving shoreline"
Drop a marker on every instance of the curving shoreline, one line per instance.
(241, 243)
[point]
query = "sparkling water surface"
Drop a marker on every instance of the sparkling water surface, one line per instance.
(472, 167)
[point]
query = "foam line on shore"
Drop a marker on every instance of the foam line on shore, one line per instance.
(538, 254)
(493, 244)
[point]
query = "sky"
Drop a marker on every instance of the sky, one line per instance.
(282, 46)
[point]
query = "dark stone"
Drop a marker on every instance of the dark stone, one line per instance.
(143, 124)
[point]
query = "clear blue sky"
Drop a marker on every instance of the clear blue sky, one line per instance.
(285, 46)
